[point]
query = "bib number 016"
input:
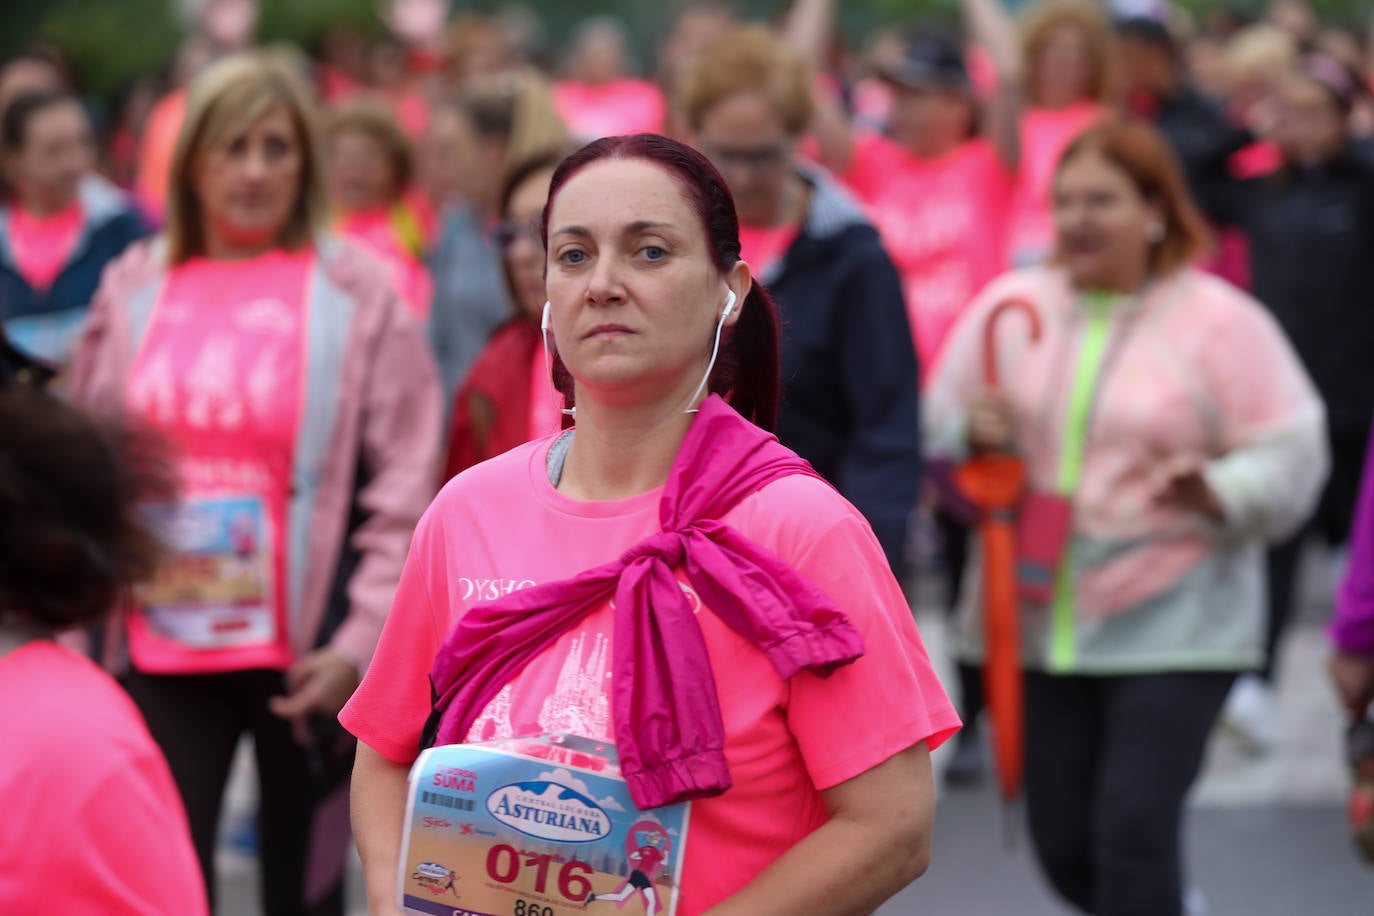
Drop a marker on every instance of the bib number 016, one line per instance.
(505, 864)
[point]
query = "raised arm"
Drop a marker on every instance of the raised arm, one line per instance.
(991, 28)
(810, 28)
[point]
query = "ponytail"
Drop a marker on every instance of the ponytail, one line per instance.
(748, 371)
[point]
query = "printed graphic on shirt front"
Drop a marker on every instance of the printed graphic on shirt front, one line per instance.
(221, 375)
(564, 690)
(535, 827)
(214, 591)
(222, 382)
(575, 700)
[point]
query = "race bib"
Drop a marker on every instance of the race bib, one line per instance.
(215, 590)
(535, 827)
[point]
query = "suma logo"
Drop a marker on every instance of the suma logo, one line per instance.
(549, 811)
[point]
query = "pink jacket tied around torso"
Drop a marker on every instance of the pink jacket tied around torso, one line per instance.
(667, 719)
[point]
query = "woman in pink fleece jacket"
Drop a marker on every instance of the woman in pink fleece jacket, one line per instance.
(1166, 415)
(302, 410)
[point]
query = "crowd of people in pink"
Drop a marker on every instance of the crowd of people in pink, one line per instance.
(461, 385)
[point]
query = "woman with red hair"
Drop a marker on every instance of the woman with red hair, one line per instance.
(747, 608)
(1169, 431)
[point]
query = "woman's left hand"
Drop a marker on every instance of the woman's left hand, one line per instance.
(321, 682)
(1353, 678)
(1181, 484)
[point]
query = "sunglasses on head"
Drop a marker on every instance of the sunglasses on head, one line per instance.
(758, 157)
(505, 233)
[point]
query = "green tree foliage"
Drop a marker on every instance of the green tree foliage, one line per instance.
(112, 42)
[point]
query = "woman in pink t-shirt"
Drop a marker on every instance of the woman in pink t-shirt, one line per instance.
(599, 99)
(60, 228)
(1065, 44)
(939, 183)
(92, 824)
(370, 167)
(302, 409)
(644, 280)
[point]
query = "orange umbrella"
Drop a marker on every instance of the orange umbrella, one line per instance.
(993, 484)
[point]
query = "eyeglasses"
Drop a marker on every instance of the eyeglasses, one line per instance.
(761, 157)
(505, 233)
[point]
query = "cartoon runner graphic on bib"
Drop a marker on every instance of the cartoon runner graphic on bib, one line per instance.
(243, 536)
(647, 847)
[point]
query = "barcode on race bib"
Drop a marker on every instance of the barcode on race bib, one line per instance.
(446, 801)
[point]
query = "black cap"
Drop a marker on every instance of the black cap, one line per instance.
(1147, 30)
(930, 60)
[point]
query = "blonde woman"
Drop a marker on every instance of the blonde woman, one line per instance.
(302, 410)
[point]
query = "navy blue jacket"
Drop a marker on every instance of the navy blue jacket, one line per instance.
(46, 323)
(849, 381)
(1311, 234)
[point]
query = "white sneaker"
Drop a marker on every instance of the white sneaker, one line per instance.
(1251, 716)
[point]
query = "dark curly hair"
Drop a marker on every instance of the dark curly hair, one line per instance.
(71, 535)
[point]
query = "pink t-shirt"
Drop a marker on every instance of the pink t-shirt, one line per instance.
(501, 526)
(155, 154)
(93, 823)
(1258, 159)
(42, 244)
(872, 102)
(942, 221)
(220, 374)
(376, 231)
(1045, 134)
(412, 112)
(762, 247)
(623, 107)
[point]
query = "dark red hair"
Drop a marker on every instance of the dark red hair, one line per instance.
(746, 373)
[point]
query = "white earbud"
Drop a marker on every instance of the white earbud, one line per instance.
(729, 305)
(546, 321)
